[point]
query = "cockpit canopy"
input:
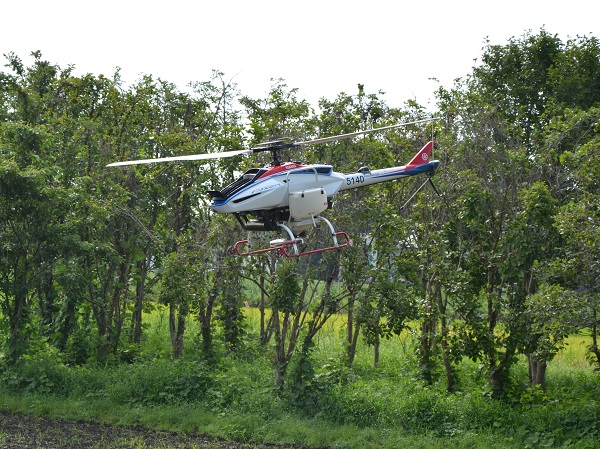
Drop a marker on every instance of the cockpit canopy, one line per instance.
(237, 185)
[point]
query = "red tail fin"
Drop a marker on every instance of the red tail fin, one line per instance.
(422, 157)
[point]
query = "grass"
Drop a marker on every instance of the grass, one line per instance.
(573, 354)
(286, 430)
(362, 407)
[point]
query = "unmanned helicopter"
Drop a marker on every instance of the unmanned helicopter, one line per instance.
(289, 197)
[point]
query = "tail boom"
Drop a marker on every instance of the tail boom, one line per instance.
(420, 163)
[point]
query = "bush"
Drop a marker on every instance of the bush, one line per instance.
(42, 373)
(159, 383)
(143, 383)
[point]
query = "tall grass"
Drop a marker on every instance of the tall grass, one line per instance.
(358, 407)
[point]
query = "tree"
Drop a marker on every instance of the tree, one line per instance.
(485, 170)
(372, 216)
(575, 76)
(286, 302)
(30, 232)
(573, 146)
(301, 304)
(531, 240)
(32, 203)
(221, 279)
(578, 223)
(498, 117)
(515, 80)
(280, 114)
(175, 122)
(436, 268)
(553, 314)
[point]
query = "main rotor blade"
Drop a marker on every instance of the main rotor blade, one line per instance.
(268, 146)
(190, 157)
(358, 133)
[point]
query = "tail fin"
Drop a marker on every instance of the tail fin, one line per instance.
(422, 157)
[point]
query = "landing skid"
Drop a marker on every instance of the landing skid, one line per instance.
(290, 247)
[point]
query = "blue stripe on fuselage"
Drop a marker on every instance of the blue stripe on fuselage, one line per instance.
(412, 171)
(268, 178)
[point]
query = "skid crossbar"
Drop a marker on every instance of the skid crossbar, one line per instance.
(289, 248)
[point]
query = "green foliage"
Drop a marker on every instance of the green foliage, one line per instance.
(31, 231)
(285, 290)
(345, 401)
(392, 306)
(138, 384)
(553, 314)
(504, 266)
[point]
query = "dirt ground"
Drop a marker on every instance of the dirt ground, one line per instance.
(24, 432)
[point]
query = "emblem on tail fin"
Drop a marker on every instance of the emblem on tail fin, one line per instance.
(422, 157)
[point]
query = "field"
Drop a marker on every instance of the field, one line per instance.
(158, 402)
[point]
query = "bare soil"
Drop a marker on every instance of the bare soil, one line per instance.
(25, 432)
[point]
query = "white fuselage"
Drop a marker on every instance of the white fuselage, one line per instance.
(273, 188)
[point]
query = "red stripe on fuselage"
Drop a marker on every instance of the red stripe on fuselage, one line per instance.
(286, 166)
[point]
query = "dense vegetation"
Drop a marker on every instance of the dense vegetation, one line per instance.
(475, 291)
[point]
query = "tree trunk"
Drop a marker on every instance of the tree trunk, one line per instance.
(427, 337)
(537, 372)
(205, 317)
(594, 348)
(286, 331)
(118, 306)
(103, 345)
(450, 382)
(280, 337)
(351, 350)
(177, 328)
(261, 308)
(499, 372)
(68, 323)
(352, 332)
(266, 326)
(496, 380)
(448, 368)
(140, 293)
(376, 355)
(47, 302)
(425, 354)
(17, 319)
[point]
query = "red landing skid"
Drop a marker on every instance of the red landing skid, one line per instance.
(283, 247)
